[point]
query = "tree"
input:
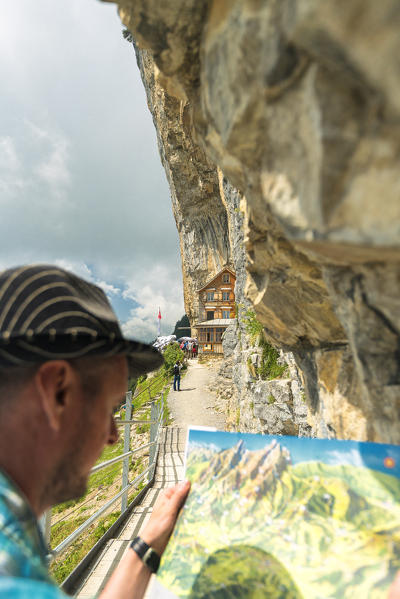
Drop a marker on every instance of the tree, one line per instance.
(180, 327)
(172, 353)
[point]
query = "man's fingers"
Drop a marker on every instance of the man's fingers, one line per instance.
(162, 521)
(175, 494)
(178, 494)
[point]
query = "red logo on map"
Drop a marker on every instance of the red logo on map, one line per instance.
(389, 462)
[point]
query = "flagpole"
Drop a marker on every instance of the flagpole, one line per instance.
(159, 321)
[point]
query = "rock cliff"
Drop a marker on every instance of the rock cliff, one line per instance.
(285, 114)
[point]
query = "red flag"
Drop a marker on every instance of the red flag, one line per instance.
(159, 314)
(159, 322)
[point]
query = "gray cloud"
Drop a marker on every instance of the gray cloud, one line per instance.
(80, 176)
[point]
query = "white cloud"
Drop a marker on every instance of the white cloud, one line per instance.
(82, 270)
(12, 181)
(53, 167)
(81, 177)
(346, 457)
(9, 160)
(108, 288)
(157, 287)
(78, 268)
(34, 164)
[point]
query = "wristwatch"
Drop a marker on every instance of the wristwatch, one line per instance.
(146, 554)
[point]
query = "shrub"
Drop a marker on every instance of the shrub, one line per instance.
(269, 367)
(171, 355)
(254, 328)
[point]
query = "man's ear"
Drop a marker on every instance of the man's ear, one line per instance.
(54, 382)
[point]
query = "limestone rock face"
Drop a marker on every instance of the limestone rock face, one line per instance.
(199, 212)
(286, 114)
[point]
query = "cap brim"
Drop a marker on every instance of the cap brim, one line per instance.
(141, 357)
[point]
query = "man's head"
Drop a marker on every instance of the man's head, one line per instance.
(63, 369)
(55, 419)
(77, 401)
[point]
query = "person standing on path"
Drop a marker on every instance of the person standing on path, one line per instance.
(177, 375)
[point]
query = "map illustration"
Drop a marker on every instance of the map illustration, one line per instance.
(284, 517)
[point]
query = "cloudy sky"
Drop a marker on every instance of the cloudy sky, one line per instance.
(81, 183)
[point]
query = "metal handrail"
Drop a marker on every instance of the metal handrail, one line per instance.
(119, 458)
(156, 425)
(74, 535)
(118, 421)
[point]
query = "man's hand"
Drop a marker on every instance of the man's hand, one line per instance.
(162, 521)
(130, 578)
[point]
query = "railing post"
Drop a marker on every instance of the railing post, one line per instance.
(127, 446)
(153, 434)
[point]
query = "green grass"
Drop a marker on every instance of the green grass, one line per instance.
(77, 551)
(104, 477)
(142, 395)
(144, 428)
(166, 415)
(64, 565)
(137, 466)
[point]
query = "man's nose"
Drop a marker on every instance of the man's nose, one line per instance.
(113, 436)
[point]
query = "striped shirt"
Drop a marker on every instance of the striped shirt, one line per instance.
(23, 552)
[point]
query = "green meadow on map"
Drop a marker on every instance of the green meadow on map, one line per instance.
(264, 519)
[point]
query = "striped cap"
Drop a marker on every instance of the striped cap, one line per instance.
(47, 313)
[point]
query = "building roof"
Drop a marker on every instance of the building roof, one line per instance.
(226, 269)
(217, 322)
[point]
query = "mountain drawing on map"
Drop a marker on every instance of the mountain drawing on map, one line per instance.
(258, 523)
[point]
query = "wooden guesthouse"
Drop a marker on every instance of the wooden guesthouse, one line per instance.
(216, 311)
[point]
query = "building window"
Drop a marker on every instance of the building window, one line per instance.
(203, 336)
(210, 315)
(226, 278)
(210, 335)
(226, 314)
(218, 335)
(210, 296)
(225, 296)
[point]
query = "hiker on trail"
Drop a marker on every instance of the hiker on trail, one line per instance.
(194, 350)
(190, 349)
(64, 366)
(177, 375)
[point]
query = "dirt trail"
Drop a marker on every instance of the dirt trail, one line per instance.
(193, 404)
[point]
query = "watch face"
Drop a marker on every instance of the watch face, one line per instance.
(151, 559)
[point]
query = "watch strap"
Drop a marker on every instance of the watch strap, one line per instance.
(146, 554)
